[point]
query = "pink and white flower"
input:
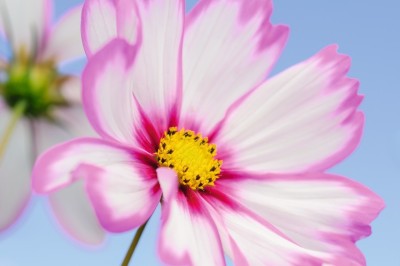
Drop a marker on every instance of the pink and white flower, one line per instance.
(186, 118)
(51, 111)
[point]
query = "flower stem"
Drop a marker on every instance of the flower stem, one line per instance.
(17, 113)
(133, 245)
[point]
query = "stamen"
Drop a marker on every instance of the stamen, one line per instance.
(191, 156)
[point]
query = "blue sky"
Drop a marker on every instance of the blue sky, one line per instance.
(370, 34)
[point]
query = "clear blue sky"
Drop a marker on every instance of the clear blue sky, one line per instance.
(370, 33)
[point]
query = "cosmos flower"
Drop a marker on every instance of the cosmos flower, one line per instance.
(40, 106)
(187, 120)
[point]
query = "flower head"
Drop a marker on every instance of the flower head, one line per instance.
(34, 89)
(186, 118)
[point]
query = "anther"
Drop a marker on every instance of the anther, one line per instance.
(191, 156)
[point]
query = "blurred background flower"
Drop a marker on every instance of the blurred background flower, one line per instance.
(40, 106)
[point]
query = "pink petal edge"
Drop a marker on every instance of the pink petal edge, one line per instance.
(335, 67)
(120, 215)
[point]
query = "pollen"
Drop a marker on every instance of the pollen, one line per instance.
(191, 156)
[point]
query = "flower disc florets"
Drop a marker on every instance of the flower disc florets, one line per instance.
(191, 156)
(34, 83)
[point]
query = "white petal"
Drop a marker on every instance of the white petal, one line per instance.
(104, 20)
(303, 119)
(123, 195)
(75, 214)
(249, 240)
(71, 89)
(168, 180)
(70, 205)
(65, 38)
(47, 134)
(229, 48)
(145, 77)
(188, 235)
(108, 97)
(59, 166)
(98, 24)
(72, 118)
(156, 74)
(25, 23)
(15, 167)
(319, 212)
(122, 187)
(128, 21)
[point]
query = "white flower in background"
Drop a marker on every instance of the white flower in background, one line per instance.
(39, 106)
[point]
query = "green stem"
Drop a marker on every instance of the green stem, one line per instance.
(17, 113)
(133, 245)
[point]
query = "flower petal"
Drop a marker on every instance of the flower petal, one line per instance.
(156, 74)
(168, 180)
(70, 205)
(128, 21)
(14, 181)
(72, 118)
(104, 20)
(229, 48)
(74, 212)
(250, 240)
(188, 235)
(304, 119)
(146, 78)
(330, 212)
(25, 23)
(123, 190)
(64, 42)
(61, 165)
(124, 196)
(107, 94)
(71, 89)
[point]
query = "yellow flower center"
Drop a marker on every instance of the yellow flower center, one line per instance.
(191, 156)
